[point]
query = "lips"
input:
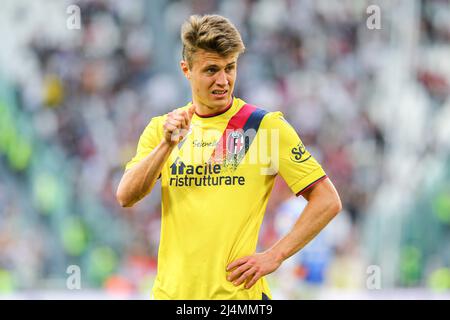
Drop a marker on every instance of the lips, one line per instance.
(219, 93)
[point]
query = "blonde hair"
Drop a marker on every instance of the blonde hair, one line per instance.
(212, 33)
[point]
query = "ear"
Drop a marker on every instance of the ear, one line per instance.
(185, 68)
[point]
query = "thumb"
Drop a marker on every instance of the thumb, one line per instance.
(191, 111)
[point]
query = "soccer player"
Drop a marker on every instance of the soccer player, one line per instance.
(217, 158)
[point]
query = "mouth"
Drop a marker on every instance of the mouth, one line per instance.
(219, 93)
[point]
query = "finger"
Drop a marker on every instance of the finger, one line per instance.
(185, 121)
(191, 112)
(236, 273)
(244, 276)
(183, 132)
(175, 136)
(173, 122)
(183, 124)
(236, 263)
(176, 117)
(253, 280)
(170, 127)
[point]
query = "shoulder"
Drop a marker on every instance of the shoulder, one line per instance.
(264, 118)
(274, 116)
(154, 124)
(265, 115)
(273, 119)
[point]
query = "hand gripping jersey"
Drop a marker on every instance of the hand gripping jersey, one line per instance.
(215, 188)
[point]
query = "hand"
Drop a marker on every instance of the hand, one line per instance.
(252, 268)
(177, 125)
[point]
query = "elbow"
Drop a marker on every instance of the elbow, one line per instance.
(124, 204)
(122, 200)
(336, 205)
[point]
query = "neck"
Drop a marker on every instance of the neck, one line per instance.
(203, 110)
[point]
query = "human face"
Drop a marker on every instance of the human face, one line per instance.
(212, 80)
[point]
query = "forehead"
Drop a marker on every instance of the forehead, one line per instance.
(204, 58)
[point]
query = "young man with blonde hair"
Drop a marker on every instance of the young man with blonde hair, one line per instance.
(217, 158)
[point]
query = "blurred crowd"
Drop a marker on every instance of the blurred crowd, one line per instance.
(74, 102)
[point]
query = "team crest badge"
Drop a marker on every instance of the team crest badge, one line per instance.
(235, 142)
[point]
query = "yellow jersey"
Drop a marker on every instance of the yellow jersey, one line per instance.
(215, 187)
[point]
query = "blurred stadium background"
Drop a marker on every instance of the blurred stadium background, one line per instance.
(373, 106)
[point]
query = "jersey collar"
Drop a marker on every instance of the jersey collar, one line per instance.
(218, 113)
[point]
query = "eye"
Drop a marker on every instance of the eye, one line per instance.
(229, 68)
(211, 70)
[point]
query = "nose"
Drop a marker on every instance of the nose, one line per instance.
(221, 79)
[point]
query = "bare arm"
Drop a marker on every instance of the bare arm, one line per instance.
(323, 205)
(138, 181)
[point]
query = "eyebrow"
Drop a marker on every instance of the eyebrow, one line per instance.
(216, 66)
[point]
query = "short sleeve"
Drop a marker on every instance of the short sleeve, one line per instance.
(147, 142)
(295, 164)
